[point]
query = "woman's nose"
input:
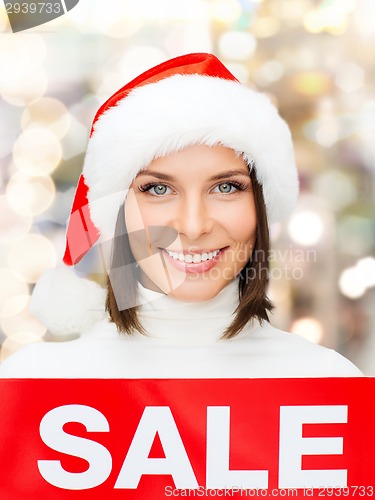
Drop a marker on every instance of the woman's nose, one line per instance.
(193, 218)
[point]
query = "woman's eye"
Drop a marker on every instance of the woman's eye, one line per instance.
(156, 189)
(226, 187)
(160, 189)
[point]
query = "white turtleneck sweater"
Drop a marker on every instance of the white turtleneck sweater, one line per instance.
(183, 342)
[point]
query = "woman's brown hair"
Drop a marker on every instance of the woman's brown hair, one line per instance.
(253, 278)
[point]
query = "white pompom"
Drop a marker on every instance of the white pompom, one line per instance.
(65, 303)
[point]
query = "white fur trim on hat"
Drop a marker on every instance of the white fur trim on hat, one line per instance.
(65, 303)
(157, 119)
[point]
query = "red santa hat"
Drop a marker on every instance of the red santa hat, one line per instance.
(191, 99)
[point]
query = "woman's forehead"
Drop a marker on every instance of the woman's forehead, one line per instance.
(211, 162)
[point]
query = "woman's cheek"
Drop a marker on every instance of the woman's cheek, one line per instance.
(153, 215)
(133, 212)
(238, 220)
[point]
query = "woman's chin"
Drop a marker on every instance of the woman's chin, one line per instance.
(183, 284)
(198, 290)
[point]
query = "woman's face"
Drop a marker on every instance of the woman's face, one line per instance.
(191, 221)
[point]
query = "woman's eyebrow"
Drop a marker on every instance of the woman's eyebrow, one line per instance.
(170, 178)
(229, 173)
(159, 175)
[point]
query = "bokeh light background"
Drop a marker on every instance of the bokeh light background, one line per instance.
(316, 61)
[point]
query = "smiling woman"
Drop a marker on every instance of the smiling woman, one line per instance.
(184, 170)
(208, 208)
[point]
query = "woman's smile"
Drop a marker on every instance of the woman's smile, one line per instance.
(198, 261)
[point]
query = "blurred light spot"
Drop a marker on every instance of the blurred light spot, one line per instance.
(75, 141)
(23, 90)
(16, 341)
(269, 72)
(12, 285)
(306, 228)
(31, 256)
(366, 268)
(364, 18)
(225, 11)
(21, 78)
(165, 10)
(264, 27)
(336, 188)
(351, 283)
(23, 322)
(311, 83)
(116, 20)
(350, 77)
(329, 18)
(237, 45)
(47, 112)
(14, 305)
(302, 59)
(21, 53)
(309, 328)
(327, 130)
(37, 151)
(327, 133)
(30, 195)
(12, 225)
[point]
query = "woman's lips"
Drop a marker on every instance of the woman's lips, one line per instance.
(191, 267)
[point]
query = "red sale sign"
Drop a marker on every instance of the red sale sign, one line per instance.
(153, 439)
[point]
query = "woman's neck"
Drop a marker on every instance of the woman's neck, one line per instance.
(168, 319)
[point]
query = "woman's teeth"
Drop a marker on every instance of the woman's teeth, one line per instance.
(193, 258)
